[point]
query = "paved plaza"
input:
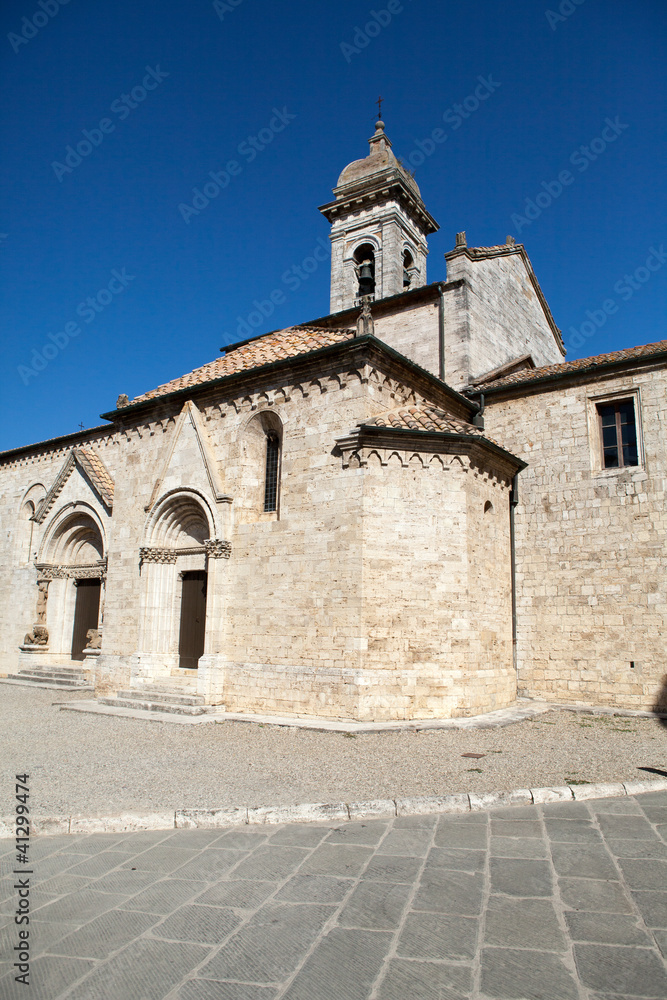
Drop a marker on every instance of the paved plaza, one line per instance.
(561, 901)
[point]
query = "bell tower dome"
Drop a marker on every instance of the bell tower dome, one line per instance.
(379, 226)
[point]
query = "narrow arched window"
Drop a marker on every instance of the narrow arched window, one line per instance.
(271, 479)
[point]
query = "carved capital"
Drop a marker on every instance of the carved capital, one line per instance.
(47, 573)
(217, 548)
(150, 555)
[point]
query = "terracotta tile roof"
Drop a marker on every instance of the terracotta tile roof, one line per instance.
(276, 346)
(97, 472)
(424, 418)
(526, 376)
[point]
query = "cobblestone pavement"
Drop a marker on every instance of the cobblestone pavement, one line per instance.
(563, 901)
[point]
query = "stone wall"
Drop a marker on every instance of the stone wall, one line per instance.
(591, 543)
(369, 593)
(24, 481)
(497, 319)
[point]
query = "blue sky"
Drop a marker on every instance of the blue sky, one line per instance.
(168, 93)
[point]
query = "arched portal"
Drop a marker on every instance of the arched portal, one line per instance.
(174, 568)
(71, 573)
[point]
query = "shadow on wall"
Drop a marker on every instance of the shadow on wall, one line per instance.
(660, 706)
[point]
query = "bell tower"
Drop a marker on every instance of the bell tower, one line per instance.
(379, 226)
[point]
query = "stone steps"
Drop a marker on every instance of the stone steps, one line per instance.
(56, 676)
(164, 696)
(180, 687)
(142, 705)
(171, 695)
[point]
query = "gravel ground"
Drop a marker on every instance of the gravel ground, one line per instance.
(96, 765)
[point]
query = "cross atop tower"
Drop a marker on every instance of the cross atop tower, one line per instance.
(380, 100)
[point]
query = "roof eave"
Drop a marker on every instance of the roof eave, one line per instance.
(554, 378)
(197, 389)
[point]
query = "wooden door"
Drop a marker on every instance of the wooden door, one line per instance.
(86, 612)
(193, 618)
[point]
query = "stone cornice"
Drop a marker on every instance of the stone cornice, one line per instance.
(369, 437)
(384, 186)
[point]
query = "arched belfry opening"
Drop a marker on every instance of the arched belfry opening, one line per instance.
(364, 257)
(378, 207)
(408, 269)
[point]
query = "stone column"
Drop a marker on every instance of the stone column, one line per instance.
(158, 569)
(210, 674)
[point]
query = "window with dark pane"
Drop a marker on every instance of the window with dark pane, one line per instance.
(271, 481)
(619, 434)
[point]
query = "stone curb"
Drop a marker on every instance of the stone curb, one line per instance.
(323, 812)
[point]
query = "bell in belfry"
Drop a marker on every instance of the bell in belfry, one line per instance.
(366, 282)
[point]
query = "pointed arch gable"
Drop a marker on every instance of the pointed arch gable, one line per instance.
(190, 416)
(94, 472)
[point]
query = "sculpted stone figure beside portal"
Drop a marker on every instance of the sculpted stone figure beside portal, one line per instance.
(409, 508)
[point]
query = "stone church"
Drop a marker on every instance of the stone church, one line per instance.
(410, 508)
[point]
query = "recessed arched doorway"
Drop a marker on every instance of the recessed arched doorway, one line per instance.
(72, 566)
(192, 626)
(174, 570)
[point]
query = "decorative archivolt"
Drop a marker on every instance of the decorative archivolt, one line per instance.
(75, 537)
(180, 519)
(182, 523)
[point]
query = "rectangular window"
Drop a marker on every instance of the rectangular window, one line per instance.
(271, 480)
(618, 433)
